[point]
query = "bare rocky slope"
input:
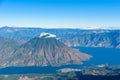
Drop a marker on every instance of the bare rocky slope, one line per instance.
(7, 47)
(45, 51)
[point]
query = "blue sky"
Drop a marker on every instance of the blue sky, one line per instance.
(60, 13)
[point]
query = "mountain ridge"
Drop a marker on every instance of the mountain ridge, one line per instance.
(45, 52)
(70, 37)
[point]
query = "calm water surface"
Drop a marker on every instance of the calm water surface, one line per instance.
(109, 56)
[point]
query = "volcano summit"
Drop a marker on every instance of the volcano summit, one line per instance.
(45, 50)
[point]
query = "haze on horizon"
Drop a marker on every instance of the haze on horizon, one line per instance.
(60, 13)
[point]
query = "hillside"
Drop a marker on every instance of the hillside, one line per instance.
(44, 51)
(71, 37)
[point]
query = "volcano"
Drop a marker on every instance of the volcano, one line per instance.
(45, 50)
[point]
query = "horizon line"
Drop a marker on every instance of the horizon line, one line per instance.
(83, 28)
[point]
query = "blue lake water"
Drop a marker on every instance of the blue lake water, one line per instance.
(109, 56)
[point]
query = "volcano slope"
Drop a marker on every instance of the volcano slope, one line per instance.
(45, 50)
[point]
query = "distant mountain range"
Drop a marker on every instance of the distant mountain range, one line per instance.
(71, 37)
(43, 50)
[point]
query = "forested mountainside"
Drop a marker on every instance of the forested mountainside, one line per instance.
(71, 37)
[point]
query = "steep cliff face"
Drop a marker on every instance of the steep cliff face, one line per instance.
(45, 51)
(71, 37)
(108, 39)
